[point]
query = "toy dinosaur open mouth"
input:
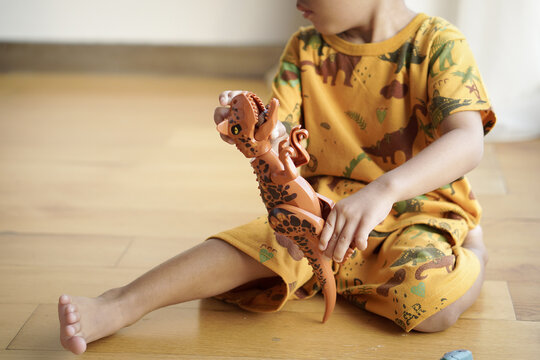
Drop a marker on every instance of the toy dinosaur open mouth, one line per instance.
(259, 110)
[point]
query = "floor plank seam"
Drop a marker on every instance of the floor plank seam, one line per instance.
(37, 234)
(24, 303)
(4, 266)
(22, 327)
(123, 253)
(86, 235)
(528, 321)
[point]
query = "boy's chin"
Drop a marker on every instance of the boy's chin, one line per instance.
(328, 30)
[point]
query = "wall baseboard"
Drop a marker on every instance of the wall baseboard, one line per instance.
(244, 61)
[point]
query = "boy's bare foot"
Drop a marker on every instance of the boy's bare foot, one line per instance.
(83, 320)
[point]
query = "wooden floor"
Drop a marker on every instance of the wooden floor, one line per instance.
(102, 177)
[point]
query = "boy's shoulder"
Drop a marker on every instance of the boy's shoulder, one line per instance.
(437, 29)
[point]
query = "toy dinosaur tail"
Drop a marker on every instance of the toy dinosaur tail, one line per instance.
(327, 282)
(301, 156)
(322, 268)
(304, 228)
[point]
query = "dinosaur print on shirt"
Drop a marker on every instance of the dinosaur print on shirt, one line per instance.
(403, 57)
(332, 65)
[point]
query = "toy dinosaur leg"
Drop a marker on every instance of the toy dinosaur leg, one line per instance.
(304, 228)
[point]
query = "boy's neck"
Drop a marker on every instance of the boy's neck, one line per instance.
(387, 18)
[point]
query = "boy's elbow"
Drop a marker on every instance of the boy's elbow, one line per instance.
(473, 151)
(477, 135)
(477, 152)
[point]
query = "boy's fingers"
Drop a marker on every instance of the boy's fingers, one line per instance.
(360, 239)
(226, 96)
(335, 236)
(279, 131)
(227, 139)
(332, 245)
(344, 241)
(327, 231)
(220, 114)
(360, 244)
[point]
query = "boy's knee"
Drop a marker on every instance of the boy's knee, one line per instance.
(438, 322)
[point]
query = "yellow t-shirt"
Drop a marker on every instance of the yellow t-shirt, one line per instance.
(370, 107)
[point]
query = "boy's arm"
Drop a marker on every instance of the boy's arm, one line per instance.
(457, 151)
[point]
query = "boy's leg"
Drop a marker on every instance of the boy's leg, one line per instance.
(423, 271)
(449, 315)
(206, 270)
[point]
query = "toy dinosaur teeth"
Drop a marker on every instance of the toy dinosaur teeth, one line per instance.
(256, 104)
(262, 118)
(259, 109)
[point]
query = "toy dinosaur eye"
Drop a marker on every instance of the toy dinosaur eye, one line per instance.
(235, 130)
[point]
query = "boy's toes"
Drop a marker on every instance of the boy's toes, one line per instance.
(64, 300)
(75, 344)
(64, 305)
(72, 318)
(72, 315)
(72, 330)
(70, 325)
(71, 339)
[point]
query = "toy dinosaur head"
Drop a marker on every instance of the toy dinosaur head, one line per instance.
(250, 124)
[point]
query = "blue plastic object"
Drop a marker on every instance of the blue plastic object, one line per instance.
(458, 355)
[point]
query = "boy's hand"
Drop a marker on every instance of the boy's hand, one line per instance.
(352, 219)
(222, 112)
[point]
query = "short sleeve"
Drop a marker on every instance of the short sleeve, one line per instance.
(455, 84)
(287, 86)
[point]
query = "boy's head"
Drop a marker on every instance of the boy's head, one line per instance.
(331, 17)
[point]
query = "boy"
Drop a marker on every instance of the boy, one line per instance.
(396, 112)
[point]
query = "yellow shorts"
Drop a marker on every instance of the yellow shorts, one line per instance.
(405, 275)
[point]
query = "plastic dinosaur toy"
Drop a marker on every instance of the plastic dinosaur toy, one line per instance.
(295, 210)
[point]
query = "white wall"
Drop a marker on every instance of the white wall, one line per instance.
(206, 22)
(444, 8)
(505, 38)
(186, 22)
